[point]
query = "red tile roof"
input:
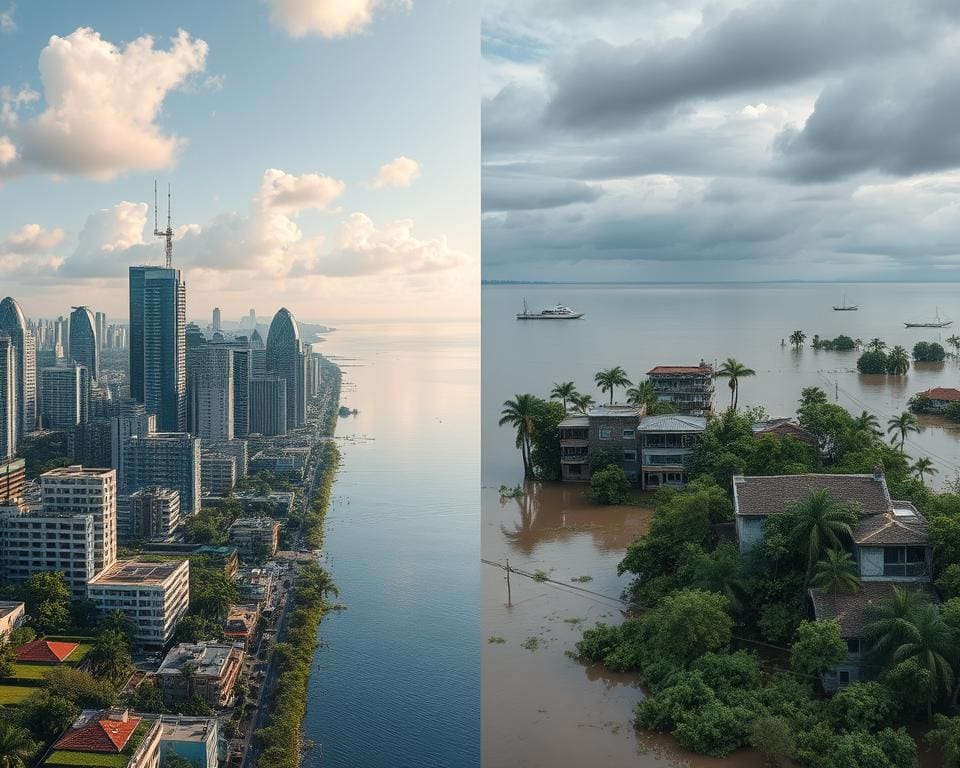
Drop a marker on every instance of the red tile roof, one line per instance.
(942, 393)
(45, 650)
(103, 735)
(680, 369)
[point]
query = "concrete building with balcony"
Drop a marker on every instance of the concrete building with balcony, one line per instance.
(666, 443)
(609, 428)
(889, 544)
(112, 738)
(165, 459)
(255, 537)
(218, 473)
(687, 388)
(155, 596)
(78, 490)
(154, 513)
(13, 479)
(207, 670)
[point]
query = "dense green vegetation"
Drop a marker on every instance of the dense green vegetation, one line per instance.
(928, 352)
(44, 452)
(876, 359)
(840, 344)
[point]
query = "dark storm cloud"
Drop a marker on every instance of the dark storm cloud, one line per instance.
(766, 44)
(901, 120)
(510, 193)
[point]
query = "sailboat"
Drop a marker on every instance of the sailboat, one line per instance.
(844, 307)
(938, 322)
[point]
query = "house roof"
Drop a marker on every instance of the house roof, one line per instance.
(680, 369)
(575, 421)
(849, 609)
(904, 525)
(208, 659)
(673, 422)
(772, 494)
(784, 427)
(100, 735)
(616, 410)
(941, 393)
(45, 650)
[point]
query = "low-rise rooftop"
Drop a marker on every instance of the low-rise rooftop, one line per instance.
(769, 495)
(208, 659)
(136, 572)
(673, 422)
(941, 393)
(904, 525)
(849, 609)
(668, 370)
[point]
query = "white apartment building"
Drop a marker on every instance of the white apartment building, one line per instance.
(76, 490)
(154, 595)
(154, 513)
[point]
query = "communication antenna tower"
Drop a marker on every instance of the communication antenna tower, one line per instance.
(166, 234)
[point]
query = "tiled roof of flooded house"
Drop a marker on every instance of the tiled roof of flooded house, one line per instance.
(850, 608)
(904, 525)
(941, 393)
(772, 494)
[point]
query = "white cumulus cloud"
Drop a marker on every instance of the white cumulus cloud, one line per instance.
(102, 104)
(326, 18)
(399, 172)
(30, 250)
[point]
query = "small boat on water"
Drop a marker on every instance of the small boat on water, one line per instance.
(844, 307)
(937, 322)
(559, 312)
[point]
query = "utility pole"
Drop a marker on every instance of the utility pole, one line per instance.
(836, 390)
(509, 600)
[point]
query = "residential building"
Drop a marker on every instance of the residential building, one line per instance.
(11, 616)
(114, 738)
(91, 443)
(34, 541)
(76, 490)
(13, 478)
(211, 391)
(213, 670)
(64, 396)
(688, 388)
(784, 428)
(154, 513)
(158, 373)
(890, 547)
(608, 428)
(938, 398)
(193, 738)
(165, 459)
(224, 556)
(256, 585)
(13, 324)
(133, 420)
(84, 344)
(218, 473)
(285, 358)
(666, 443)
(268, 405)
(236, 448)
(154, 595)
(10, 412)
(255, 538)
(241, 624)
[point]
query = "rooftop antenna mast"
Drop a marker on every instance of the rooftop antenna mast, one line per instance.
(166, 234)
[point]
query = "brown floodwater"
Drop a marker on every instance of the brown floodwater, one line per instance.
(540, 707)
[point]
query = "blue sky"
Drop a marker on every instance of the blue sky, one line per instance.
(400, 83)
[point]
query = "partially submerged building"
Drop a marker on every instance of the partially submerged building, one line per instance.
(687, 388)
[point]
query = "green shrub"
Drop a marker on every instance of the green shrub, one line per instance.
(610, 485)
(861, 707)
(715, 729)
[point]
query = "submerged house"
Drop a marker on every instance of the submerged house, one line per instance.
(688, 388)
(937, 399)
(666, 443)
(890, 547)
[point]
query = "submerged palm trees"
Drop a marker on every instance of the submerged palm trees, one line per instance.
(519, 413)
(797, 338)
(734, 370)
(901, 426)
(611, 378)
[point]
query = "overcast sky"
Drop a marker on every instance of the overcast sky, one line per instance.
(682, 140)
(323, 155)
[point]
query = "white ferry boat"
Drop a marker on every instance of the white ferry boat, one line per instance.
(559, 312)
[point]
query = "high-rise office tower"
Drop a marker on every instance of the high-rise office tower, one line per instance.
(9, 410)
(101, 326)
(78, 490)
(133, 420)
(12, 323)
(169, 460)
(158, 371)
(84, 346)
(216, 318)
(285, 359)
(241, 391)
(268, 405)
(64, 396)
(211, 392)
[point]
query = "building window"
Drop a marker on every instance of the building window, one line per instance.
(629, 455)
(844, 677)
(606, 433)
(904, 561)
(853, 646)
(629, 434)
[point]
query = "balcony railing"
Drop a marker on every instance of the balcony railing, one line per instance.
(905, 570)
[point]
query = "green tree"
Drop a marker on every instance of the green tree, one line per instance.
(872, 361)
(21, 635)
(610, 379)
(519, 413)
(47, 599)
(945, 735)
(721, 571)
(147, 697)
(931, 642)
(923, 467)
(110, 656)
(689, 623)
(772, 737)
(898, 361)
(818, 523)
(876, 345)
(836, 572)
(16, 746)
(196, 629)
(564, 391)
(817, 647)
(797, 338)
(8, 656)
(812, 396)
(582, 403)
(610, 485)
(901, 426)
(867, 422)
(642, 394)
(954, 341)
(545, 440)
(928, 352)
(212, 592)
(861, 707)
(889, 623)
(734, 370)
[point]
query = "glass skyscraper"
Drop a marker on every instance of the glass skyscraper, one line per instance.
(14, 325)
(84, 347)
(285, 359)
(158, 371)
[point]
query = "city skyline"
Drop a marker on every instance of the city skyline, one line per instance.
(332, 216)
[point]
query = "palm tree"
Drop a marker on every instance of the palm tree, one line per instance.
(612, 378)
(858, 343)
(836, 573)
(922, 467)
(900, 426)
(518, 413)
(898, 361)
(642, 394)
(582, 402)
(954, 341)
(930, 641)
(722, 571)
(734, 370)
(797, 338)
(877, 345)
(889, 623)
(817, 524)
(16, 746)
(867, 422)
(564, 392)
